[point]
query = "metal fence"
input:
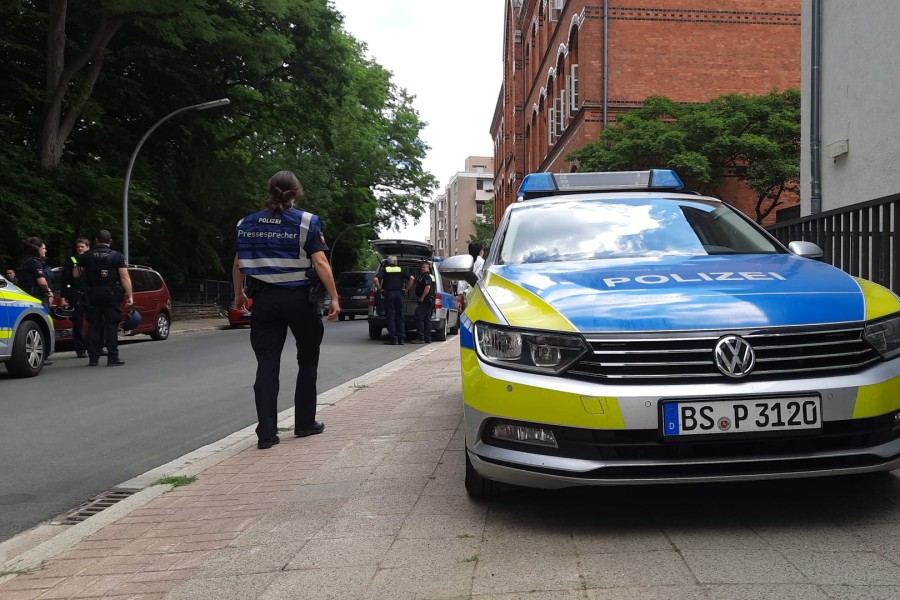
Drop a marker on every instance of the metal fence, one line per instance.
(859, 239)
(204, 291)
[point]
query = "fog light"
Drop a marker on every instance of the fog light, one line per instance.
(525, 435)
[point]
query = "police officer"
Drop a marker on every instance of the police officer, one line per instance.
(106, 281)
(281, 251)
(74, 296)
(33, 274)
(391, 282)
(425, 289)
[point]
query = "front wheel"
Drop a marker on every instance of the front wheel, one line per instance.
(162, 327)
(374, 332)
(477, 486)
(28, 351)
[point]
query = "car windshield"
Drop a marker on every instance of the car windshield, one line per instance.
(627, 227)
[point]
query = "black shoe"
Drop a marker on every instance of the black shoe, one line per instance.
(114, 362)
(266, 444)
(391, 343)
(400, 342)
(417, 342)
(80, 353)
(93, 363)
(316, 427)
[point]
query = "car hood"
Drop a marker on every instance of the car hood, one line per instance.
(678, 293)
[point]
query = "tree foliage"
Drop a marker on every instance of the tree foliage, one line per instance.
(88, 79)
(484, 227)
(754, 138)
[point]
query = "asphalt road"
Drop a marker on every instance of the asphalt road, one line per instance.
(74, 432)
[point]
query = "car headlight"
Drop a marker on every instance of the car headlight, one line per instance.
(527, 350)
(884, 336)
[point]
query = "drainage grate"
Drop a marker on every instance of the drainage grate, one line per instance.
(93, 506)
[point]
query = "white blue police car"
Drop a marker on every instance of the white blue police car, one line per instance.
(26, 331)
(626, 332)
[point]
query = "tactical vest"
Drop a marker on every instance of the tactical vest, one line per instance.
(393, 278)
(26, 279)
(101, 272)
(270, 247)
(426, 279)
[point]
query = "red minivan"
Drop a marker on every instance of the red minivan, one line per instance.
(151, 300)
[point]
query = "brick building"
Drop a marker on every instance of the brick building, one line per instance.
(563, 82)
(454, 211)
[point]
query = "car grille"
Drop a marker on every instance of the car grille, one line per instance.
(689, 356)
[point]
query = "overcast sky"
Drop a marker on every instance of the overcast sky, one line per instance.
(448, 55)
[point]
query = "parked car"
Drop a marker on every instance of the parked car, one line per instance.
(625, 332)
(353, 288)
(239, 317)
(444, 319)
(26, 331)
(151, 300)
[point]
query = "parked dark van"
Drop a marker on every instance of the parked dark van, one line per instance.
(353, 288)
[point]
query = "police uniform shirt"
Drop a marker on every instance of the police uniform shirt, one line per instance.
(72, 289)
(275, 247)
(391, 280)
(425, 279)
(101, 266)
(29, 271)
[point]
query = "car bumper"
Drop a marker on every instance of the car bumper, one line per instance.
(611, 434)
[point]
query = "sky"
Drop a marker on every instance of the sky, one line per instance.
(447, 55)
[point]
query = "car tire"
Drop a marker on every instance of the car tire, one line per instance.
(163, 327)
(440, 333)
(28, 351)
(477, 486)
(375, 332)
(342, 317)
(455, 329)
(351, 317)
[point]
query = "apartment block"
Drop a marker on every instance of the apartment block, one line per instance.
(454, 211)
(572, 66)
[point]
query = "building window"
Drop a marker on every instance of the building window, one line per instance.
(573, 90)
(556, 7)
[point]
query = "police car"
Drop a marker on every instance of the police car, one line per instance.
(625, 332)
(26, 331)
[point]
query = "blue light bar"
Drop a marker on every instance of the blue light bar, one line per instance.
(537, 185)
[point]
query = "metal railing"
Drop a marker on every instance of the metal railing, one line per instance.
(204, 291)
(860, 239)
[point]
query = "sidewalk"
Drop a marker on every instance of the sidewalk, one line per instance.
(375, 508)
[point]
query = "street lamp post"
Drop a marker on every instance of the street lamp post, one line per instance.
(334, 245)
(201, 106)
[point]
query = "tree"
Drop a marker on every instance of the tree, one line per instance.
(755, 138)
(484, 227)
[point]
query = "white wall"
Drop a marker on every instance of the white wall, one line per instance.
(860, 101)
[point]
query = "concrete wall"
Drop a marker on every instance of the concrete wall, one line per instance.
(860, 96)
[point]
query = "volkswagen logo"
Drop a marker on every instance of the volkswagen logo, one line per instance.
(734, 356)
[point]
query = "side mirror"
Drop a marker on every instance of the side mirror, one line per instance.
(459, 267)
(806, 249)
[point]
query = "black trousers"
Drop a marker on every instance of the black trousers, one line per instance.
(394, 302)
(423, 319)
(104, 316)
(274, 311)
(78, 312)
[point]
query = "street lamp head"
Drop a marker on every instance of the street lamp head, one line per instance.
(213, 104)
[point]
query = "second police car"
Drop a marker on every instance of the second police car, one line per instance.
(625, 332)
(26, 331)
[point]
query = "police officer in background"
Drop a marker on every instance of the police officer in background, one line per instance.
(106, 280)
(74, 296)
(391, 282)
(281, 250)
(425, 288)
